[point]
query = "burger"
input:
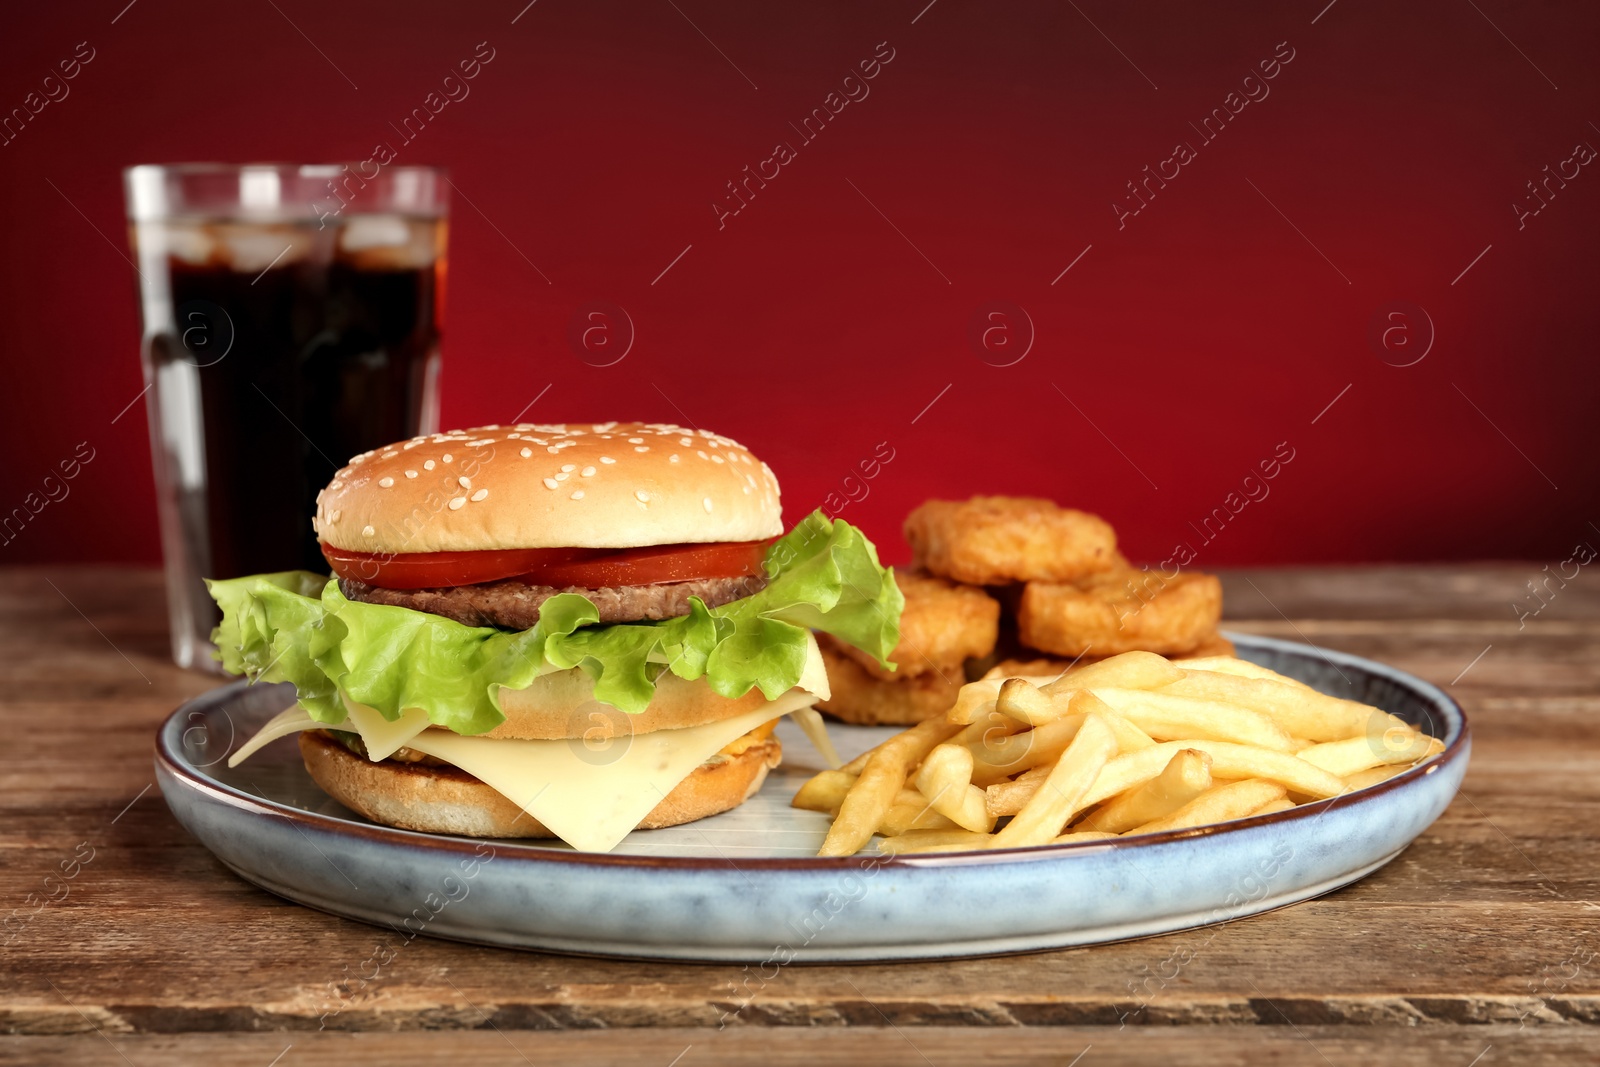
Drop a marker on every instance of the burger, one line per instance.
(564, 631)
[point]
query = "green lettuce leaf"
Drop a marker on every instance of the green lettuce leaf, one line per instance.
(297, 627)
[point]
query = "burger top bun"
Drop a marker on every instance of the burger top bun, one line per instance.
(589, 485)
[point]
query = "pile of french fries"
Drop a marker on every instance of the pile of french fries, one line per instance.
(1133, 744)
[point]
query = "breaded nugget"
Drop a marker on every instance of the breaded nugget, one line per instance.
(1121, 611)
(991, 540)
(1213, 644)
(860, 698)
(943, 625)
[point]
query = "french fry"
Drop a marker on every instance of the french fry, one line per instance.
(924, 840)
(1134, 744)
(1169, 717)
(922, 850)
(1228, 761)
(916, 814)
(823, 791)
(1022, 700)
(1354, 754)
(1239, 668)
(1233, 761)
(1019, 752)
(863, 808)
(1059, 795)
(1186, 776)
(1129, 737)
(1221, 803)
(989, 725)
(974, 699)
(1130, 670)
(1363, 779)
(1007, 798)
(1298, 709)
(945, 778)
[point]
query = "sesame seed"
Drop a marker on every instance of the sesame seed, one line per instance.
(427, 465)
(636, 440)
(716, 459)
(707, 503)
(464, 482)
(587, 472)
(367, 531)
(411, 474)
(577, 494)
(448, 458)
(672, 458)
(607, 459)
(641, 448)
(701, 453)
(561, 477)
(686, 441)
(644, 497)
(385, 482)
(335, 516)
(554, 450)
(457, 503)
(526, 452)
(480, 494)
(568, 467)
(550, 483)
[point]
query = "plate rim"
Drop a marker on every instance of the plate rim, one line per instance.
(186, 774)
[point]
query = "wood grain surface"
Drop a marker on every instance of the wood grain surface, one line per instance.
(1481, 940)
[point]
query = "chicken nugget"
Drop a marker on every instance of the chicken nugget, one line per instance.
(1121, 611)
(992, 540)
(942, 626)
(860, 698)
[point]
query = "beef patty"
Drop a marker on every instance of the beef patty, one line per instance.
(514, 605)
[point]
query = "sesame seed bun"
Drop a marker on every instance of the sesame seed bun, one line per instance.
(590, 485)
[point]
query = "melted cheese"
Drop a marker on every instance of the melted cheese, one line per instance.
(593, 796)
(590, 795)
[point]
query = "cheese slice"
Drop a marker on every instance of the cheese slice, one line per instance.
(589, 797)
(379, 736)
(592, 798)
(810, 722)
(289, 721)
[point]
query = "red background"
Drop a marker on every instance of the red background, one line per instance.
(1191, 342)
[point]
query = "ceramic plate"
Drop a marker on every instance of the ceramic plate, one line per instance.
(747, 886)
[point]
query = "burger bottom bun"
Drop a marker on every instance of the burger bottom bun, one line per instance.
(446, 800)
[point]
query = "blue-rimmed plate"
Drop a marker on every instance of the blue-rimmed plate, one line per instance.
(747, 886)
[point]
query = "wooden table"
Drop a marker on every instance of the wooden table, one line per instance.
(1480, 945)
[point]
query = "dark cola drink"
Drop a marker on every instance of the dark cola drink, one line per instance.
(285, 330)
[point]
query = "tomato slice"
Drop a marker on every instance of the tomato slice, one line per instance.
(589, 568)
